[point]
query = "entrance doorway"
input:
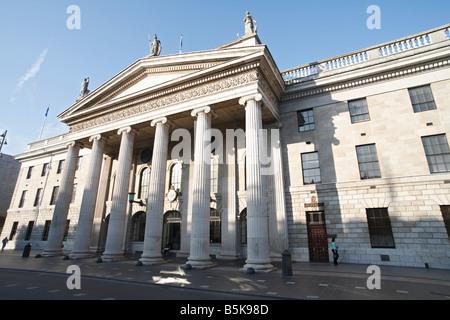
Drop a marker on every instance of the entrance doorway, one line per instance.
(172, 230)
(317, 236)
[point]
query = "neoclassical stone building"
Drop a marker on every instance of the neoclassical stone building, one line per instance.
(226, 155)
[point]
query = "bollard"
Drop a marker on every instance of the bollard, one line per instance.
(286, 263)
(26, 250)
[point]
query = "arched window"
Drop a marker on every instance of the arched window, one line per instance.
(243, 220)
(144, 182)
(214, 174)
(175, 176)
(138, 226)
(215, 226)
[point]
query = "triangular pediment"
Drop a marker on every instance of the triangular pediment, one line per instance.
(153, 78)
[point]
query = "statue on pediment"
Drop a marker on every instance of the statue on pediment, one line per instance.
(156, 47)
(250, 25)
(84, 88)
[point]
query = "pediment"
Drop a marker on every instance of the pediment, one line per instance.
(153, 82)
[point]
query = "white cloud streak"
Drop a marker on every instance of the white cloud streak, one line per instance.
(31, 73)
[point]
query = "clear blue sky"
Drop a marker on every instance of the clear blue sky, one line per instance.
(43, 62)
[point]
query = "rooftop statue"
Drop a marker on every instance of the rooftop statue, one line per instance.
(250, 25)
(84, 88)
(156, 47)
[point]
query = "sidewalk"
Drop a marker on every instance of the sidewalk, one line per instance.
(323, 281)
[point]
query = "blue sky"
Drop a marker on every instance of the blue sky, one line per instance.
(43, 62)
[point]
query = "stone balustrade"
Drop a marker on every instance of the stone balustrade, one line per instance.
(323, 67)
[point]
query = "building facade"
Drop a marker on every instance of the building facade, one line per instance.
(226, 155)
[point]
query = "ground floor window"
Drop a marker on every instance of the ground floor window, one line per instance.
(215, 226)
(446, 215)
(172, 230)
(138, 226)
(380, 229)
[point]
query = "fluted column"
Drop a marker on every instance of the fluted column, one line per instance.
(199, 249)
(258, 253)
(117, 218)
(83, 236)
(58, 225)
(156, 191)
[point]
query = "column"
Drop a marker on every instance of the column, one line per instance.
(117, 218)
(199, 249)
(155, 206)
(83, 237)
(58, 225)
(258, 253)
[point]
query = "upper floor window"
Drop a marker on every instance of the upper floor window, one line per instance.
(144, 182)
(437, 152)
(311, 168)
(79, 163)
(358, 110)
(368, 161)
(175, 176)
(45, 169)
(29, 172)
(214, 174)
(60, 166)
(22, 198)
(422, 99)
(306, 120)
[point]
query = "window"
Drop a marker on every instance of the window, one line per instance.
(358, 110)
(437, 152)
(138, 226)
(60, 166)
(445, 210)
(74, 193)
(38, 198)
(214, 174)
(22, 198)
(29, 230)
(30, 172)
(46, 229)
(215, 226)
(368, 162)
(305, 120)
(243, 220)
(66, 230)
(13, 230)
(422, 99)
(54, 195)
(175, 176)
(380, 229)
(79, 163)
(144, 182)
(310, 166)
(45, 169)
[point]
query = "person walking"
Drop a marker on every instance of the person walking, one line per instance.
(334, 248)
(4, 241)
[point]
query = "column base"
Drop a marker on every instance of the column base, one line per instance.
(152, 261)
(111, 257)
(52, 253)
(225, 256)
(201, 264)
(258, 267)
(80, 255)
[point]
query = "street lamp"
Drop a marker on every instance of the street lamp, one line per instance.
(4, 142)
(131, 199)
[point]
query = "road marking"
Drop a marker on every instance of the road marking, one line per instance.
(290, 282)
(79, 294)
(31, 288)
(401, 291)
(11, 285)
(360, 288)
(54, 291)
(271, 292)
(323, 284)
(312, 297)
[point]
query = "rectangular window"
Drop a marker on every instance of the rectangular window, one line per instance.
(29, 230)
(29, 172)
(54, 195)
(45, 169)
(358, 110)
(437, 152)
(306, 120)
(422, 99)
(38, 197)
(445, 210)
(22, 198)
(79, 163)
(60, 166)
(46, 230)
(311, 168)
(380, 229)
(13, 230)
(74, 193)
(368, 162)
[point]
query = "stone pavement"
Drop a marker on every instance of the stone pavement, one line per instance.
(311, 281)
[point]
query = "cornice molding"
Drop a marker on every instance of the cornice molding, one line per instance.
(368, 80)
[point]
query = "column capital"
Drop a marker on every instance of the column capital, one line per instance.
(127, 130)
(75, 144)
(98, 137)
(256, 97)
(206, 110)
(162, 120)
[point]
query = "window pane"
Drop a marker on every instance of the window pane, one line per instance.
(380, 229)
(311, 168)
(437, 152)
(422, 99)
(305, 120)
(368, 162)
(358, 110)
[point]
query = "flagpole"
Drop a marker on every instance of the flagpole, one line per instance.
(43, 124)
